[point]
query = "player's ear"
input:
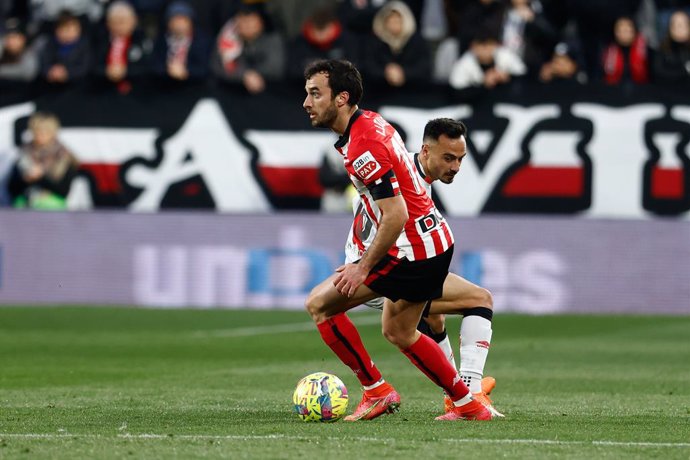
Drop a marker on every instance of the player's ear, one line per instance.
(342, 98)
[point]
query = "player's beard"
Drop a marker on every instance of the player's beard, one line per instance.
(447, 178)
(327, 119)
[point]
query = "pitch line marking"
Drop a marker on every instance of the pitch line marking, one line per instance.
(278, 328)
(205, 437)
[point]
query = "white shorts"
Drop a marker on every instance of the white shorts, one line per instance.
(376, 303)
(350, 258)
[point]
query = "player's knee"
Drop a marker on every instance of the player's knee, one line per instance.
(400, 338)
(315, 306)
(486, 299)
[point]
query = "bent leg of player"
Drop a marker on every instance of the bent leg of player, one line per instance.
(434, 326)
(399, 327)
(476, 305)
(327, 308)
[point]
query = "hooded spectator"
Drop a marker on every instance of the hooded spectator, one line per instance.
(182, 51)
(397, 55)
(565, 65)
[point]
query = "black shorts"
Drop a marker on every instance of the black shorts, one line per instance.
(415, 281)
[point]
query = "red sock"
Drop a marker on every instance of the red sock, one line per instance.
(341, 335)
(429, 358)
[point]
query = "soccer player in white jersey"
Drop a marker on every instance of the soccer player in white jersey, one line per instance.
(407, 262)
(444, 147)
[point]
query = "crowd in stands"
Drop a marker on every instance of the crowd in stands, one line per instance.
(254, 43)
(468, 45)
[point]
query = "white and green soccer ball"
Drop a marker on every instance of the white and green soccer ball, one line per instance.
(320, 397)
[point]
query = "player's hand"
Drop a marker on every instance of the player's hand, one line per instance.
(349, 278)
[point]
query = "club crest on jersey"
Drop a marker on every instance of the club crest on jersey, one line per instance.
(366, 165)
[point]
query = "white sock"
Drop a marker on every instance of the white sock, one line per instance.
(475, 340)
(448, 351)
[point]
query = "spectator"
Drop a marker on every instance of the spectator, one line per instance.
(485, 64)
(528, 33)
(247, 53)
(664, 11)
(358, 15)
(42, 176)
(564, 66)
(672, 61)
(322, 37)
(594, 20)
(44, 14)
(289, 16)
(181, 53)
(66, 56)
(477, 17)
(124, 52)
(398, 55)
(18, 61)
(626, 59)
(337, 187)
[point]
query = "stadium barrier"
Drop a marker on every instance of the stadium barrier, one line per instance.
(595, 152)
(205, 260)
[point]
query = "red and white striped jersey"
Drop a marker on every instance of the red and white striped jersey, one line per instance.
(371, 149)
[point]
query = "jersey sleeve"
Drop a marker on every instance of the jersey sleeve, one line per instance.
(372, 161)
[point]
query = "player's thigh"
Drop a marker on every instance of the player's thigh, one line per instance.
(460, 294)
(399, 321)
(325, 299)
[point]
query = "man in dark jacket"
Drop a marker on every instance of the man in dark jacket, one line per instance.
(182, 52)
(123, 52)
(67, 55)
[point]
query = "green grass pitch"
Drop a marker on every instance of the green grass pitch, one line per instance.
(130, 383)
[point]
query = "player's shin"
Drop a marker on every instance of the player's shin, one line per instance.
(342, 337)
(475, 340)
(429, 358)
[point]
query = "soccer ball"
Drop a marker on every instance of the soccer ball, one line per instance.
(320, 397)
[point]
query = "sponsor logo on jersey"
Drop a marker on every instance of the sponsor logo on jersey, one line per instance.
(366, 165)
(427, 222)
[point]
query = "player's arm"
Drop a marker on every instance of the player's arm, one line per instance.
(393, 218)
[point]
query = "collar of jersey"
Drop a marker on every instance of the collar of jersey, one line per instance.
(342, 140)
(418, 164)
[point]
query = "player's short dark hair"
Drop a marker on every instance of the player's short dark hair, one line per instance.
(438, 126)
(342, 76)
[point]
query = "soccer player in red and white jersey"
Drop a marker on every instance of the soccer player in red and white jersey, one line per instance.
(440, 158)
(408, 260)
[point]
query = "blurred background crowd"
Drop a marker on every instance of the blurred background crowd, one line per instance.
(468, 46)
(461, 43)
